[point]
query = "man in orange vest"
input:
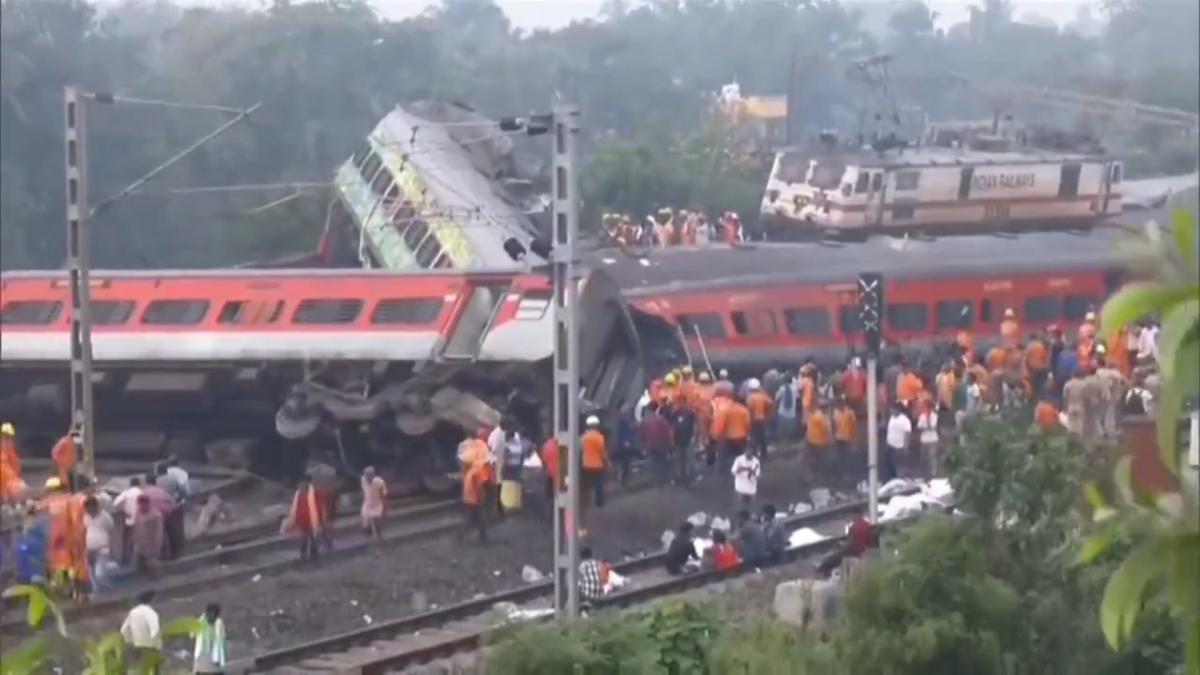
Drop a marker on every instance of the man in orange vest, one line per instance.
(702, 406)
(11, 485)
(687, 386)
(845, 434)
(722, 400)
(818, 437)
(1045, 417)
(760, 405)
(735, 431)
(65, 458)
(475, 492)
(594, 459)
(66, 537)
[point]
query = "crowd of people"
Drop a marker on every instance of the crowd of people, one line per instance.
(668, 227)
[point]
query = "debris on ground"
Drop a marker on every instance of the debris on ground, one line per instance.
(531, 575)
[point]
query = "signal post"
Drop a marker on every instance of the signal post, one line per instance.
(870, 308)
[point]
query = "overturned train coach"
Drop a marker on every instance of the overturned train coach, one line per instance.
(366, 364)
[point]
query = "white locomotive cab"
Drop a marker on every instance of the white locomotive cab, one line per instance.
(939, 187)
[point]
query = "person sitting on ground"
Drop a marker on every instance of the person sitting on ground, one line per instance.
(860, 537)
(774, 535)
(591, 576)
(722, 556)
(751, 542)
(681, 550)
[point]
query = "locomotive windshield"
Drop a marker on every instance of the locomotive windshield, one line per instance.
(827, 174)
(793, 167)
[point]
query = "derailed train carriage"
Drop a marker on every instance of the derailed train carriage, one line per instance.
(367, 364)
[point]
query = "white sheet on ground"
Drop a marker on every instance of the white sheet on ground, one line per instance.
(804, 536)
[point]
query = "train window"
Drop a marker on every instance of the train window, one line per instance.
(964, 182)
(407, 310)
(709, 325)
(1116, 174)
(429, 251)
(175, 312)
(1068, 184)
(1043, 308)
(954, 314)
(864, 179)
(876, 181)
(327, 310)
(755, 323)
(1075, 307)
(849, 320)
(383, 180)
(370, 167)
(111, 312)
(910, 316)
(807, 321)
(415, 233)
(985, 310)
(902, 211)
(231, 311)
(533, 305)
(907, 180)
(30, 312)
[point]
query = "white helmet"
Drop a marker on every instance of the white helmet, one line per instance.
(593, 421)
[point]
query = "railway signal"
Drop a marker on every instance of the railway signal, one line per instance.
(870, 309)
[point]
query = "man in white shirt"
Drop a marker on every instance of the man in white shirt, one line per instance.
(1148, 344)
(899, 428)
(141, 630)
(746, 470)
(126, 505)
(178, 474)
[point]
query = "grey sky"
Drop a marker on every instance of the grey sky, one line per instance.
(557, 13)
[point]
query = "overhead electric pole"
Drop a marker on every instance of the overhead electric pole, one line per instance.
(79, 264)
(565, 275)
(79, 213)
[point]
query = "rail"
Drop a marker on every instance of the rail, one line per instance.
(435, 645)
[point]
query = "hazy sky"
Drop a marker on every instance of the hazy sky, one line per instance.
(557, 13)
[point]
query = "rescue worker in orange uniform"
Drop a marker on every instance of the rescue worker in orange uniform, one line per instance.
(687, 386)
(67, 537)
(670, 390)
(1045, 416)
(908, 389)
(65, 458)
(1009, 328)
(11, 485)
(808, 392)
(818, 437)
(761, 405)
(475, 481)
(1118, 352)
(549, 456)
(722, 399)
(845, 434)
(735, 432)
(996, 358)
(702, 406)
(594, 462)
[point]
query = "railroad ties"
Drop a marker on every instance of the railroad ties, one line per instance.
(448, 640)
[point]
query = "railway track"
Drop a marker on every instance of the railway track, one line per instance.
(413, 640)
(240, 562)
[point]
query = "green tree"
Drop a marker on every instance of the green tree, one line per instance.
(1164, 563)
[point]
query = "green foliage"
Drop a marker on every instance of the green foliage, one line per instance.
(102, 655)
(932, 607)
(1164, 563)
(671, 639)
(767, 647)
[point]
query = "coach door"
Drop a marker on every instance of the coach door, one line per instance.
(476, 313)
(874, 212)
(1068, 185)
